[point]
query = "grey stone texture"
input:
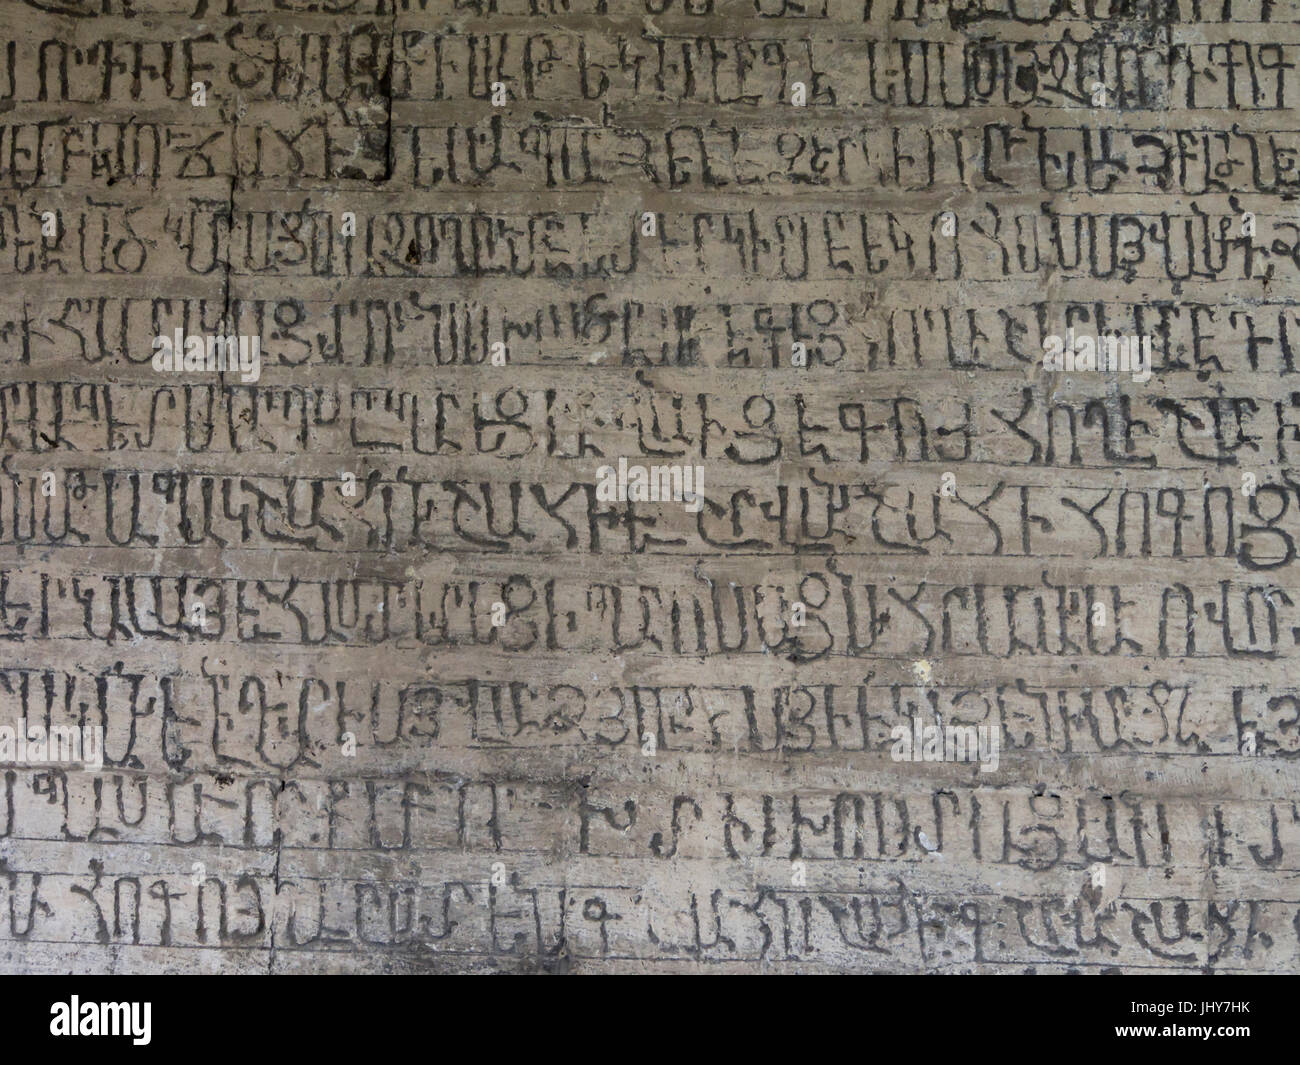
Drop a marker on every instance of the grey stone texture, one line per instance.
(395, 672)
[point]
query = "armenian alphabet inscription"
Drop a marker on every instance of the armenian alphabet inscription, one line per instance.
(649, 485)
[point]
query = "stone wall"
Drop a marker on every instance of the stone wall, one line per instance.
(669, 515)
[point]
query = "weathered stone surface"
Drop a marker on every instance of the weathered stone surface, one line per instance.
(390, 672)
